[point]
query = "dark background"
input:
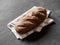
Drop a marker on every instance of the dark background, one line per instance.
(10, 9)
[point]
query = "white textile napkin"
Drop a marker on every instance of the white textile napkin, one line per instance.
(10, 25)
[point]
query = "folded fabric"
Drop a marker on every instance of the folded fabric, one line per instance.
(46, 21)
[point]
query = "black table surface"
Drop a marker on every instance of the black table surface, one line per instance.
(10, 9)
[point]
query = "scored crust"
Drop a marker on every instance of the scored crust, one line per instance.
(30, 20)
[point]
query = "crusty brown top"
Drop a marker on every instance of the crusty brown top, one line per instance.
(31, 20)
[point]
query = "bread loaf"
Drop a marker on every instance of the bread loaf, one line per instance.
(31, 20)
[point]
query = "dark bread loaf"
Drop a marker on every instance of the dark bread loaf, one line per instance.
(31, 20)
